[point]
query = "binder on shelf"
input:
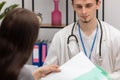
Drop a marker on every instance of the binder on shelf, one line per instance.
(39, 54)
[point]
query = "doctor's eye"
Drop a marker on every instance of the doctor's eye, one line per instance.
(89, 5)
(79, 6)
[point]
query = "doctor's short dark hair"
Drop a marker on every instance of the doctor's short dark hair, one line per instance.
(18, 34)
(96, 1)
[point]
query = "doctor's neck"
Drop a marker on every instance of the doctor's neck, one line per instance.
(88, 27)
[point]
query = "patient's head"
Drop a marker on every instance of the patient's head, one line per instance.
(18, 33)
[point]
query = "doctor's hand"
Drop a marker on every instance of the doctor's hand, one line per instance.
(45, 70)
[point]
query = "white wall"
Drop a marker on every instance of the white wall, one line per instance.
(112, 12)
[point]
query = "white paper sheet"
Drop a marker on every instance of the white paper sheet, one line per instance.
(75, 68)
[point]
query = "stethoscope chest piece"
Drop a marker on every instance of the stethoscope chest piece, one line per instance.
(100, 60)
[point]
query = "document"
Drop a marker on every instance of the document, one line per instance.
(79, 68)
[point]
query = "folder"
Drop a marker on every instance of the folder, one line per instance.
(39, 54)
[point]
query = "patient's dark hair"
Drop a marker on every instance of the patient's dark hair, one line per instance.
(18, 33)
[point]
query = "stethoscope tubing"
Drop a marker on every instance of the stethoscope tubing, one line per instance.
(72, 35)
(100, 38)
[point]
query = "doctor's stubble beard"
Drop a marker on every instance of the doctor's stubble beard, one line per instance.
(86, 21)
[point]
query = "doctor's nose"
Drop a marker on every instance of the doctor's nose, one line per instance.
(84, 10)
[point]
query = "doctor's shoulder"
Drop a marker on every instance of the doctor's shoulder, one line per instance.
(110, 27)
(64, 31)
(112, 30)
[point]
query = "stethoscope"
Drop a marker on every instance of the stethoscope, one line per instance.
(74, 36)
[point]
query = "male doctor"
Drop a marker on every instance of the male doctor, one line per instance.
(97, 39)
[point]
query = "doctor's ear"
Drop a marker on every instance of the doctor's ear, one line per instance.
(98, 4)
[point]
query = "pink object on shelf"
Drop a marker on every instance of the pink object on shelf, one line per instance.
(56, 14)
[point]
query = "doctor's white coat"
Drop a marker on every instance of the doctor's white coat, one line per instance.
(110, 49)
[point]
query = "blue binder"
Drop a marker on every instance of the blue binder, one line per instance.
(39, 54)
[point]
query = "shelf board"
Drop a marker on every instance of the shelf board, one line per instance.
(51, 26)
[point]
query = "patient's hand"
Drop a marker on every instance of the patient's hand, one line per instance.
(45, 70)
